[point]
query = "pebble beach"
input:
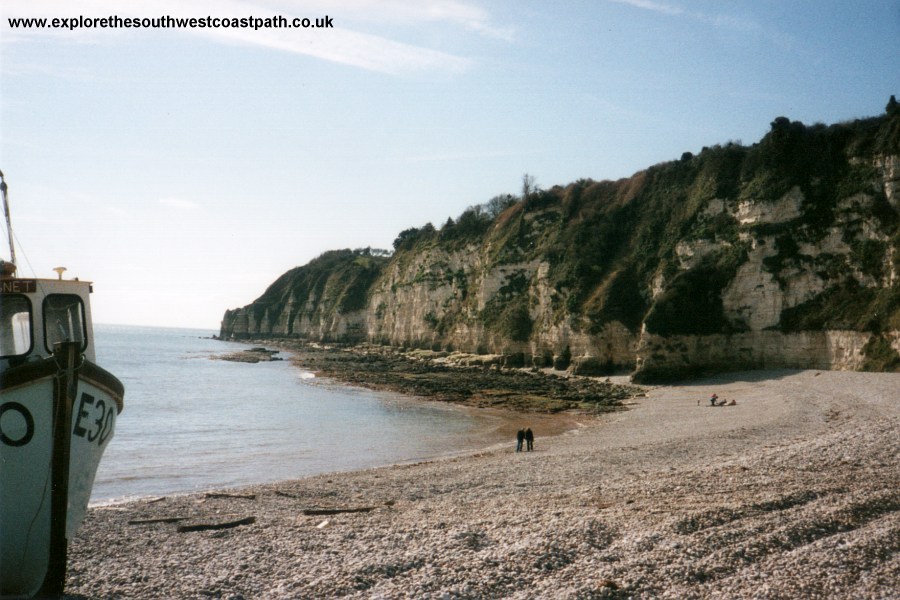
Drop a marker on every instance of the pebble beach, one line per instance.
(794, 492)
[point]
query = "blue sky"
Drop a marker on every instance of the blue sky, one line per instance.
(184, 170)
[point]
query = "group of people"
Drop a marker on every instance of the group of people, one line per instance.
(527, 436)
(714, 401)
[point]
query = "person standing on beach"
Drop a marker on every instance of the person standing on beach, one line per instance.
(520, 437)
(529, 438)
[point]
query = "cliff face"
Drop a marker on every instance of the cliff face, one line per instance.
(782, 254)
(323, 300)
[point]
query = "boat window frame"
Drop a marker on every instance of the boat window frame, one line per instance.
(30, 327)
(84, 332)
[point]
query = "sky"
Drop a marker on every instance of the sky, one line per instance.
(182, 170)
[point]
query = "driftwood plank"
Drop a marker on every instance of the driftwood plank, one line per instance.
(212, 526)
(159, 520)
(337, 511)
(223, 495)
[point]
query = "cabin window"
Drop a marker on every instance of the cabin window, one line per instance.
(15, 325)
(64, 320)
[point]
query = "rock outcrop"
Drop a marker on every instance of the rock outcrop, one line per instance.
(781, 254)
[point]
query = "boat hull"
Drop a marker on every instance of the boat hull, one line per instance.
(56, 419)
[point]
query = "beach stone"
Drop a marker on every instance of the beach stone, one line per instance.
(771, 498)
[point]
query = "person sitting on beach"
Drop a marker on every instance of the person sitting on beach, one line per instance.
(529, 438)
(520, 437)
(733, 402)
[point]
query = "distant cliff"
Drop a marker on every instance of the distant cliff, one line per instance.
(785, 253)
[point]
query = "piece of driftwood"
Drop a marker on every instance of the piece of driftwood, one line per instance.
(285, 494)
(152, 500)
(223, 495)
(158, 520)
(212, 526)
(337, 511)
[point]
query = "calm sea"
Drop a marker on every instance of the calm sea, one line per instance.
(193, 423)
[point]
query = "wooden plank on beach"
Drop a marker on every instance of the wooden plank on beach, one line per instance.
(158, 520)
(337, 511)
(213, 526)
(223, 495)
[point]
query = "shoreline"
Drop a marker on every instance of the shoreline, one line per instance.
(495, 437)
(793, 492)
(493, 426)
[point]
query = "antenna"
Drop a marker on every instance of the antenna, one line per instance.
(59, 271)
(12, 246)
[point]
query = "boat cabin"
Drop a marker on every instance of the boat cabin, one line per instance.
(36, 314)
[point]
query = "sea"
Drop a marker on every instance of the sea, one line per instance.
(193, 423)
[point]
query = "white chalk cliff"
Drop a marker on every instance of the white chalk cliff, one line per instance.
(782, 254)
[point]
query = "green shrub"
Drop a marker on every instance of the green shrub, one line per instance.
(846, 306)
(880, 356)
(692, 303)
(517, 324)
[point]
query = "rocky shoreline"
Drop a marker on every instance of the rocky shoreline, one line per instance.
(791, 493)
(481, 381)
(252, 356)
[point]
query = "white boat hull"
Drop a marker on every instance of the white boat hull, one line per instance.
(47, 472)
(25, 495)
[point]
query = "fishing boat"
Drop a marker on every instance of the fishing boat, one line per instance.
(58, 411)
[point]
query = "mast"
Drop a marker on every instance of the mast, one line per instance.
(9, 232)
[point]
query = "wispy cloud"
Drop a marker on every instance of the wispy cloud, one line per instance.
(353, 48)
(340, 44)
(741, 24)
(659, 7)
(467, 15)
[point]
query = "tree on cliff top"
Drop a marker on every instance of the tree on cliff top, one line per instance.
(527, 186)
(498, 204)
